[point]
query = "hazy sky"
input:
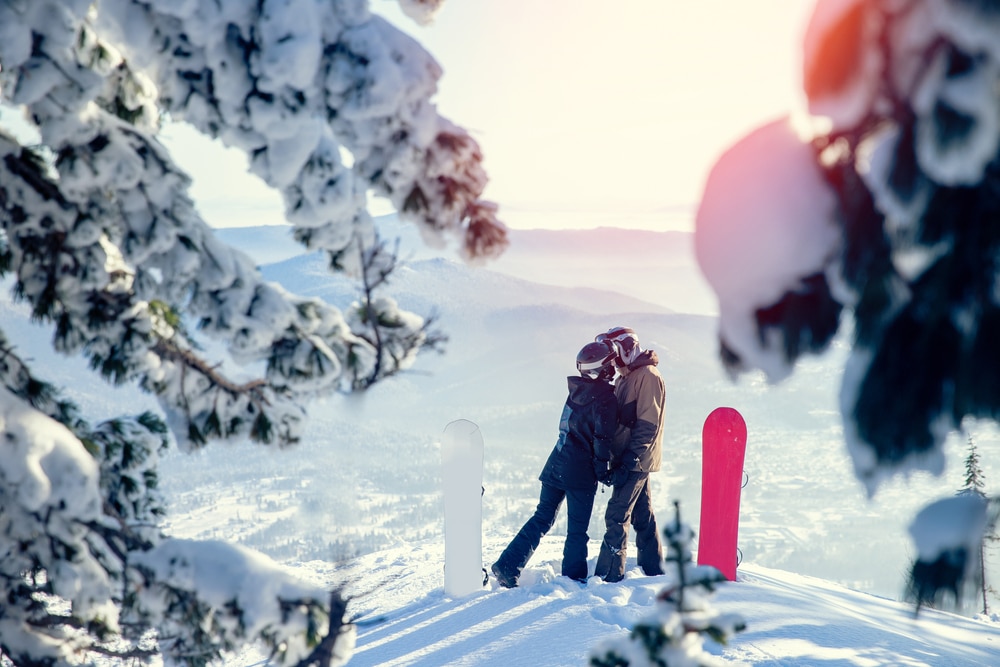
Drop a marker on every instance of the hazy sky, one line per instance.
(589, 113)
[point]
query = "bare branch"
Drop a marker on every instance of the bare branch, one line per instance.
(323, 654)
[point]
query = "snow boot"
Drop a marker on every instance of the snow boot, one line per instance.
(502, 577)
(610, 564)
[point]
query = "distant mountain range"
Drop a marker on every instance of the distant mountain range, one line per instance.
(656, 267)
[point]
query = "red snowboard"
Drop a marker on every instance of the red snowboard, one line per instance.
(723, 443)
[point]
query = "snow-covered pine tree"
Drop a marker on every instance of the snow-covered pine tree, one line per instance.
(674, 635)
(882, 201)
(975, 482)
(950, 563)
(99, 236)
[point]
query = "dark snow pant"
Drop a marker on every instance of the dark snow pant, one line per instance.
(579, 504)
(630, 502)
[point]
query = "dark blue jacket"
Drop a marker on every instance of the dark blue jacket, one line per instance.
(586, 432)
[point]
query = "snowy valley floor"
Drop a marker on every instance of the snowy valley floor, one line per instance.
(406, 619)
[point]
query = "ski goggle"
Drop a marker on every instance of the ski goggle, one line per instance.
(616, 334)
(621, 338)
(594, 369)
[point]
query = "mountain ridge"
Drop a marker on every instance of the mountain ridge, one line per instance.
(656, 267)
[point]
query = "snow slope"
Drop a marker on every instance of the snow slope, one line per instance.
(358, 501)
(513, 339)
(405, 618)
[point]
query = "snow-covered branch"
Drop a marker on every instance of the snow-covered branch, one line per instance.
(126, 203)
(297, 85)
(883, 201)
(880, 202)
(102, 240)
(77, 533)
(674, 633)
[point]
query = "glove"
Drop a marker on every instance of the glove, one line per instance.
(603, 471)
(619, 475)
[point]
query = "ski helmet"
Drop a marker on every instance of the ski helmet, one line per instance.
(596, 361)
(624, 342)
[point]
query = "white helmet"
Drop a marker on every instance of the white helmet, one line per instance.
(624, 341)
(597, 361)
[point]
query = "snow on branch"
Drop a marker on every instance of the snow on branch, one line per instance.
(104, 73)
(949, 535)
(103, 242)
(66, 268)
(133, 214)
(233, 594)
(296, 85)
(81, 505)
(889, 201)
(421, 11)
(50, 495)
(378, 320)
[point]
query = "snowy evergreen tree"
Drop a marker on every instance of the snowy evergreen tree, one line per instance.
(975, 482)
(882, 203)
(674, 635)
(99, 236)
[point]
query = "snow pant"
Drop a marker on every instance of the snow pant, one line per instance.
(579, 504)
(630, 502)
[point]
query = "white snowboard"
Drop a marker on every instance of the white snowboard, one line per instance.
(462, 477)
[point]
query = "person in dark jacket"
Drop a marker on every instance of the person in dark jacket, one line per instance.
(579, 460)
(636, 453)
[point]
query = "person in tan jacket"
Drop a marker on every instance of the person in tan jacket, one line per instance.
(635, 454)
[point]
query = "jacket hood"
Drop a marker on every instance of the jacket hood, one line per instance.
(647, 358)
(582, 390)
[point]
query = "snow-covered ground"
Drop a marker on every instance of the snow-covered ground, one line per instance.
(515, 327)
(357, 502)
(406, 619)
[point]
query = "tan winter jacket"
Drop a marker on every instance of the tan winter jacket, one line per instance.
(641, 395)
